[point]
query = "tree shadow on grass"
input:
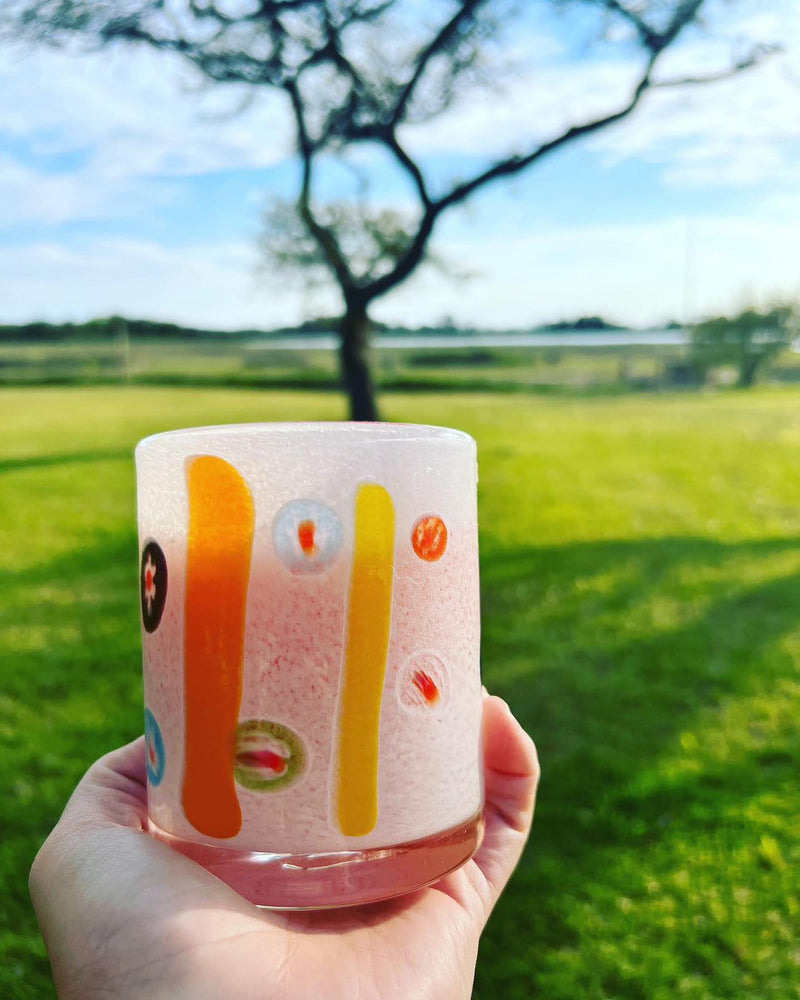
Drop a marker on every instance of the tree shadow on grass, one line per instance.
(70, 677)
(71, 669)
(64, 458)
(605, 690)
(578, 639)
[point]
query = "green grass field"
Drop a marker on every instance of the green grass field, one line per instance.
(641, 596)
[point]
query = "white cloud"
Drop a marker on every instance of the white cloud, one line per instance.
(744, 130)
(532, 107)
(113, 134)
(139, 112)
(31, 195)
(215, 285)
(642, 274)
(735, 131)
(136, 127)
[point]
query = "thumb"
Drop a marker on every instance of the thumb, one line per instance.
(512, 775)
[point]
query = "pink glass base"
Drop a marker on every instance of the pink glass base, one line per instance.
(340, 878)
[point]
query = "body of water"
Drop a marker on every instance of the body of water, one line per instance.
(627, 338)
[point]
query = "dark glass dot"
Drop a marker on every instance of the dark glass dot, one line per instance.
(153, 585)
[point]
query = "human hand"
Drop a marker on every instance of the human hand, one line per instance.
(125, 916)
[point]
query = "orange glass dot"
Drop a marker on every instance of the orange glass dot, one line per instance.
(305, 535)
(426, 686)
(429, 538)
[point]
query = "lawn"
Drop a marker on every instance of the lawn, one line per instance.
(641, 596)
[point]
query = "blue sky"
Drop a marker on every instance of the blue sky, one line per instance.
(124, 188)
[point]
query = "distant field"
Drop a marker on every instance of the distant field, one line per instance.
(641, 601)
(235, 363)
(567, 368)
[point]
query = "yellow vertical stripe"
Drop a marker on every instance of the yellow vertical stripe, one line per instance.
(221, 525)
(369, 618)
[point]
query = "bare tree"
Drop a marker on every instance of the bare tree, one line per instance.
(356, 72)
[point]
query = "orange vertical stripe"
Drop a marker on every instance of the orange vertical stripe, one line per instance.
(221, 525)
(369, 619)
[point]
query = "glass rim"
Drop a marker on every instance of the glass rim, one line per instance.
(376, 430)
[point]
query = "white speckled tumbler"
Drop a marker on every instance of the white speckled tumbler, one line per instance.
(311, 632)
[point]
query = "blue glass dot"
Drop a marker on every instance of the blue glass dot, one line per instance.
(154, 752)
(307, 536)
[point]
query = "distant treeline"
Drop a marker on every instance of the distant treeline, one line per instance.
(114, 328)
(585, 323)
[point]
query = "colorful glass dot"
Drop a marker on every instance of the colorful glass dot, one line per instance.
(429, 537)
(426, 686)
(422, 682)
(155, 755)
(307, 535)
(153, 585)
(269, 755)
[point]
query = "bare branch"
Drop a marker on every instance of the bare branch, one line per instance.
(656, 44)
(439, 43)
(210, 11)
(504, 168)
(514, 164)
(653, 40)
(685, 12)
(326, 239)
(755, 58)
(648, 36)
(410, 259)
(410, 167)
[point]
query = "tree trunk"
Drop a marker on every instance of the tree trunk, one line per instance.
(353, 356)
(748, 368)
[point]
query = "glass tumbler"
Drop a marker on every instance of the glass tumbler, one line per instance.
(310, 611)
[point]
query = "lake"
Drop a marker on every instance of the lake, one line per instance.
(599, 338)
